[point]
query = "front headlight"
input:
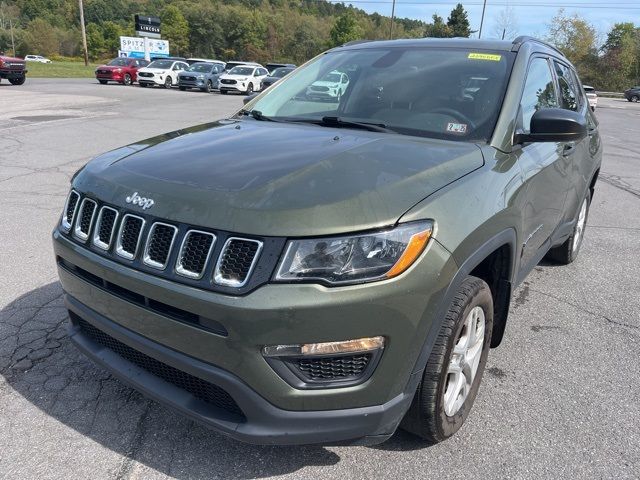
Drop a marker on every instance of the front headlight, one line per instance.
(355, 258)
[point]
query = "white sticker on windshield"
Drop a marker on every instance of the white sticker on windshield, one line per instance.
(457, 127)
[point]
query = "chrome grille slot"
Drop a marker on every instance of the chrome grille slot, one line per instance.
(129, 236)
(105, 226)
(159, 244)
(237, 261)
(70, 207)
(194, 253)
(84, 219)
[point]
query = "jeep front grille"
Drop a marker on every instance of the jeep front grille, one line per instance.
(194, 253)
(218, 261)
(159, 243)
(70, 210)
(105, 224)
(85, 219)
(129, 236)
(239, 256)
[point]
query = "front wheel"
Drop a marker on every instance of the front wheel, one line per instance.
(17, 81)
(634, 98)
(209, 87)
(452, 377)
(568, 251)
(249, 89)
(168, 82)
(127, 79)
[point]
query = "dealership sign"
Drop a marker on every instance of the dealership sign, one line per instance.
(147, 26)
(134, 47)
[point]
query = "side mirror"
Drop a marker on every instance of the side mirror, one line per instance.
(248, 98)
(554, 125)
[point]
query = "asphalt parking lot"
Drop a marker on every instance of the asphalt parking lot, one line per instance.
(560, 398)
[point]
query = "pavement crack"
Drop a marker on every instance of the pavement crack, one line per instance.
(124, 472)
(618, 182)
(585, 310)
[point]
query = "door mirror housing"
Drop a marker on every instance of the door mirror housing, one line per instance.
(554, 125)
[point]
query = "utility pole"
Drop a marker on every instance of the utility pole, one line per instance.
(13, 45)
(84, 34)
(484, 6)
(393, 14)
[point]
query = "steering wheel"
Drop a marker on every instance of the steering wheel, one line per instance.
(455, 114)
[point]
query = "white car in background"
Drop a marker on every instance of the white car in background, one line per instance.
(592, 96)
(330, 87)
(243, 79)
(163, 72)
(37, 58)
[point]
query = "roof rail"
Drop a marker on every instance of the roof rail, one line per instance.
(527, 38)
(355, 42)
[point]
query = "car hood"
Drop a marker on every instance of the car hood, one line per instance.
(13, 60)
(278, 179)
(321, 83)
(234, 77)
(110, 67)
(154, 70)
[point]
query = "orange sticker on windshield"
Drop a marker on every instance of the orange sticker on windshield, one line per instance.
(485, 56)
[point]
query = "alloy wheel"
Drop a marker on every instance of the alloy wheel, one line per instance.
(465, 359)
(579, 230)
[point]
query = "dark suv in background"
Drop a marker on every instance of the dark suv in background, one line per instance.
(327, 271)
(633, 94)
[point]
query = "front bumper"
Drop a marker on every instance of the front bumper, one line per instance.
(151, 80)
(401, 309)
(11, 74)
(192, 83)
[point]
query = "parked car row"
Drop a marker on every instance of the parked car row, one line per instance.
(194, 73)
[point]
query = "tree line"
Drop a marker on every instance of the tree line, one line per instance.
(291, 31)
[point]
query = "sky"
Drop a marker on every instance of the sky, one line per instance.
(532, 15)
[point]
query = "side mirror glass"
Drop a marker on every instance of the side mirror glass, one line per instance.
(555, 125)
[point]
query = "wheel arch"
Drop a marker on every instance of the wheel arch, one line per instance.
(494, 260)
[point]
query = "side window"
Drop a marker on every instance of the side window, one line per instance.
(569, 93)
(539, 92)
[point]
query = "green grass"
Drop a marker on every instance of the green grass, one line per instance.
(61, 69)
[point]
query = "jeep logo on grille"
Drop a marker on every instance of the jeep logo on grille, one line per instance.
(136, 199)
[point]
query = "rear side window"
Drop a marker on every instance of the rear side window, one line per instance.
(569, 91)
(539, 92)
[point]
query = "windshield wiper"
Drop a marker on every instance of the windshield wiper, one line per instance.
(339, 122)
(257, 114)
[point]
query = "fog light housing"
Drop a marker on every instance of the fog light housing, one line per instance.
(326, 364)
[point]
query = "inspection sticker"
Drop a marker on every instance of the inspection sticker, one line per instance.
(485, 56)
(457, 128)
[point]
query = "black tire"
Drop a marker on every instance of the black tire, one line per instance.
(18, 81)
(127, 79)
(168, 82)
(427, 417)
(209, 87)
(634, 98)
(568, 251)
(102, 82)
(249, 89)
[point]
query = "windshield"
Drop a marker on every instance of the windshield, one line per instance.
(160, 64)
(432, 92)
(281, 72)
(200, 67)
(119, 62)
(241, 71)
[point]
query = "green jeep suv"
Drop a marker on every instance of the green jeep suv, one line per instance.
(326, 269)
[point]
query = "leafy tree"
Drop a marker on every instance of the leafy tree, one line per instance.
(111, 32)
(40, 38)
(458, 22)
(574, 36)
(346, 29)
(95, 41)
(175, 28)
(438, 29)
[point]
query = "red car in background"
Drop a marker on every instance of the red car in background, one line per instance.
(122, 70)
